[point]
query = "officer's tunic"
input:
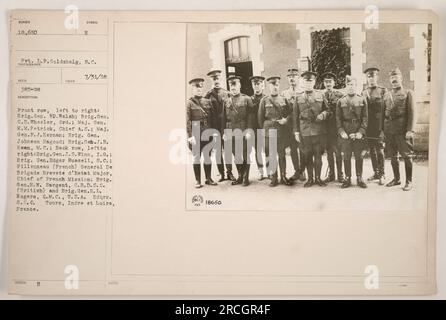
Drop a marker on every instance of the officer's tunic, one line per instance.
(199, 113)
(298, 164)
(271, 109)
(238, 114)
(332, 147)
(291, 94)
(352, 117)
(307, 106)
(399, 118)
(217, 98)
(375, 103)
(331, 98)
(255, 111)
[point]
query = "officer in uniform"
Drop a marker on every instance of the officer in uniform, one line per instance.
(238, 114)
(333, 150)
(290, 94)
(398, 128)
(275, 113)
(351, 120)
(309, 115)
(199, 117)
(258, 86)
(217, 95)
(375, 135)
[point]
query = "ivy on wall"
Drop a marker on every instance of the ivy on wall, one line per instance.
(331, 53)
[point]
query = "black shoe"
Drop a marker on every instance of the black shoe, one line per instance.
(285, 181)
(340, 177)
(210, 182)
(382, 180)
(361, 182)
(231, 176)
(302, 177)
(375, 176)
(394, 182)
(346, 183)
(331, 178)
(408, 186)
(198, 184)
(245, 182)
(319, 182)
(309, 183)
(261, 177)
(239, 180)
(222, 178)
(273, 182)
(295, 176)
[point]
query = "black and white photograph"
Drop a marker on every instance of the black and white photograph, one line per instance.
(284, 116)
(240, 153)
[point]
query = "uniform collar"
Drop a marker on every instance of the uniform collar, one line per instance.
(196, 99)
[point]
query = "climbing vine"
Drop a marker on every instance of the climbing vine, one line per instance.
(330, 53)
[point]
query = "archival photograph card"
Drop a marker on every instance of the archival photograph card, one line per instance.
(222, 153)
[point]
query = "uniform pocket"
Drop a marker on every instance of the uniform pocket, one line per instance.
(345, 112)
(358, 109)
(195, 114)
(269, 111)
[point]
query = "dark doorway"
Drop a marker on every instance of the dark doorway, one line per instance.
(238, 61)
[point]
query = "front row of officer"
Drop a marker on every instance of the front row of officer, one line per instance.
(310, 117)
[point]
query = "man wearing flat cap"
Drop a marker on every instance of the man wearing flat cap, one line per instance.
(398, 128)
(375, 135)
(309, 115)
(351, 120)
(199, 118)
(238, 114)
(217, 95)
(290, 94)
(333, 150)
(257, 86)
(274, 117)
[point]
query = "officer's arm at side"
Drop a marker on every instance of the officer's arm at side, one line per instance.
(383, 110)
(364, 117)
(223, 116)
(410, 111)
(296, 116)
(250, 114)
(330, 113)
(188, 119)
(289, 112)
(261, 113)
(339, 118)
(324, 111)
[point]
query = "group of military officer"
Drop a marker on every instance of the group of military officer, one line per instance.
(308, 121)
